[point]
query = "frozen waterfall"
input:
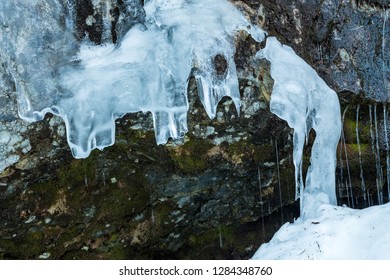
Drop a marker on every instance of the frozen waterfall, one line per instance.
(90, 86)
(302, 98)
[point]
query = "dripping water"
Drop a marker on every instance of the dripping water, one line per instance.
(387, 150)
(349, 182)
(379, 177)
(280, 189)
(363, 185)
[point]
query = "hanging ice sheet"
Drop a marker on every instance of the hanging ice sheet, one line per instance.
(90, 86)
(302, 98)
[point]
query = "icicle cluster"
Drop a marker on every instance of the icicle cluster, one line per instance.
(90, 86)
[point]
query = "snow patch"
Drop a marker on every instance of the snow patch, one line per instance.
(337, 233)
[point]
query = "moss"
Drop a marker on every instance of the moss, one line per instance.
(48, 193)
(77, 170)
(354, 149)
(264, 153)
(28, 247)
(119, 203)
(212, 237)
(117, 253)
(245, 150)
(162, 216)
(241, 150)
(191, 157)
(350, 131)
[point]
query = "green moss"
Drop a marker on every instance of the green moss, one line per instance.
(192, 156)
(48, 193)
(350, 131)
(117, 253)
(264, 153)
(354, 148)
(213, 237)
(245, 150)
(74, 174)
(29, 246)
(162, 212)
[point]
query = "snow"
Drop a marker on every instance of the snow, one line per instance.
(303, 99)
(337, 233)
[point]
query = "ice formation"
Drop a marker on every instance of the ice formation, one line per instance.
(90, 86)
(302, 98)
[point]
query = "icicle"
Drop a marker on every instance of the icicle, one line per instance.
(341, 168)
(280, 189)
(387, 150)
(350, 201)
(303, 99)
(153, 217)
(70, 10)
(261, 202)
(385, 18)
(104, 178)
(107, 18)
(220, 237)
(360, 156)
(379, 175)
(347, 161)
(85, 177)
(92, 86)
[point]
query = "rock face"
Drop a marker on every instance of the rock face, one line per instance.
(347, 42)
(229, 184)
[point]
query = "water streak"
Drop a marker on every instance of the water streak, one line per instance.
(363, 185)
(220, 237)
(261, 202)
(280, 189)
(385, 116)
(379, 174)
(385, 18)
(349, 182)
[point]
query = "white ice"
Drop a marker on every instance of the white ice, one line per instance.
(91, 86)
(302, 98)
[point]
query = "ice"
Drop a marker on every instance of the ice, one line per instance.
(36, 44)
(303, 99)
(147, 70)
(90, 86)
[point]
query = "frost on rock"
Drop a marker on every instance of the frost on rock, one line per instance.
(91, 86)
(302, 98)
